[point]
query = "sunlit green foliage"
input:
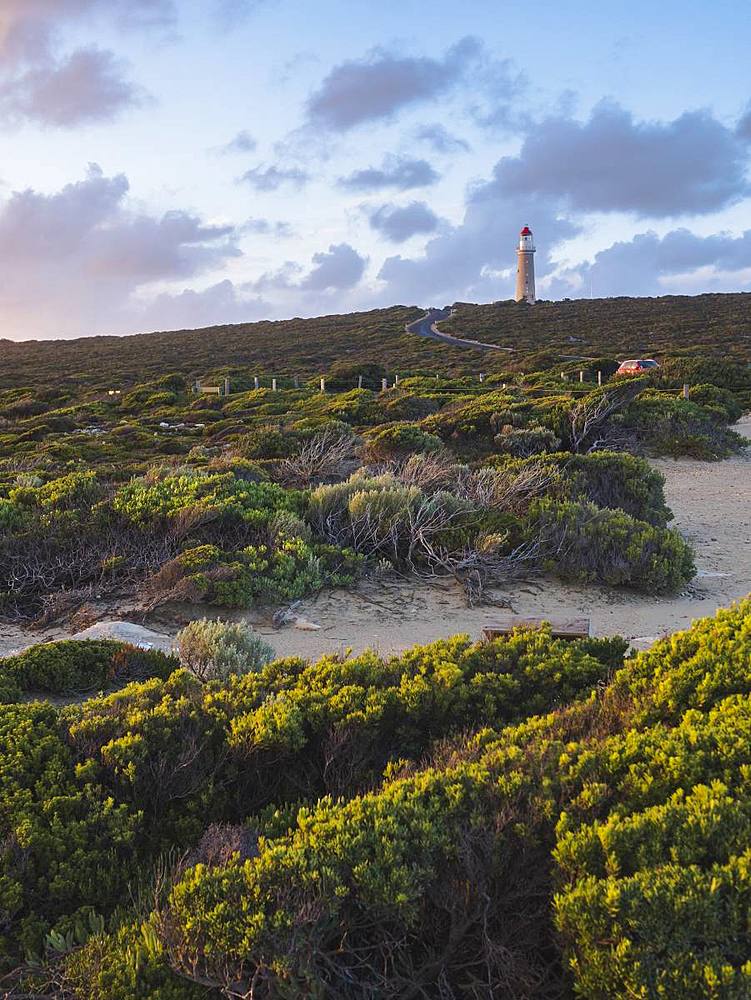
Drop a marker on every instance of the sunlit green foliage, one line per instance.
(599, 851)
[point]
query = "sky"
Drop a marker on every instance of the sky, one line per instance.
(170, 164)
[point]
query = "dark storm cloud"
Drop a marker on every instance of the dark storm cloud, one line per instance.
(646, 264)
(398, 172)
(440, 139)
(273, 177)
(383, 83)
(691, 165)
(399, 222)
(71, 261)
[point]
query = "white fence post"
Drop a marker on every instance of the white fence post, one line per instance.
(273, 385)
(255, 382)
(323, 385)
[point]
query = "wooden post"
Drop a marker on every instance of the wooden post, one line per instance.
(273, 385)
(599, 378)
(297, 382)
(359, 381)
(255, 382)
(226, 387)
(396, 380)
(504, 385)
(384, 385)
(482, 376)
(581, 376)
(685, 390)
(563, 376)
(323, 385)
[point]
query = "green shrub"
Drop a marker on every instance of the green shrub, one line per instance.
(266, 442)
(725, 403)
(610, 479)
(588, 544)
(82, 665)
(525, 441)
(213, 650)
(124, 965)
(398, 441)
(670, 426)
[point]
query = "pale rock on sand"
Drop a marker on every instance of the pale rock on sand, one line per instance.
(136, 635)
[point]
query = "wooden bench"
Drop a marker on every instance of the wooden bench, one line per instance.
(570, 628)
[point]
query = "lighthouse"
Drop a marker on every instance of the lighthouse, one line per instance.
(525, 267)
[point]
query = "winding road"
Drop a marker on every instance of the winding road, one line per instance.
(426, 326)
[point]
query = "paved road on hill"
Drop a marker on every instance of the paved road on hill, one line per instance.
(426, 327)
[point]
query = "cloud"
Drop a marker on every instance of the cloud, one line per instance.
(743, 128)
(649, 264)
(273, 177)
(231, 13)
(440, 139)
(691, 165)
(264, 227)
(398, 223)
(398, 172)
(40, 85)
(337, 269)
(75, 261)
(475, 260)
(86, 87)
(243, 142)
(17, 15)
(221, 303)
(377, 87)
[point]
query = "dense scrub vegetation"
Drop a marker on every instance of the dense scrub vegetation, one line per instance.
(269, 494)
(522, 818)
(713, 326)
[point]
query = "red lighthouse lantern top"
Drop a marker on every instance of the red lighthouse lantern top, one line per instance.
(526, 231)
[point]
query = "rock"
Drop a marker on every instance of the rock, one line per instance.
(136, 635)
(305, 625)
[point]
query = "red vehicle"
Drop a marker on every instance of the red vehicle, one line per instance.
(639, 366)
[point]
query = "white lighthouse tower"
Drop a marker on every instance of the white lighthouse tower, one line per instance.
(525, 267)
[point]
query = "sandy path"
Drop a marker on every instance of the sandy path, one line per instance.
(712, 506)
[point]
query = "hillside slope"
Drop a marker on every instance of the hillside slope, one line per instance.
(704, 324)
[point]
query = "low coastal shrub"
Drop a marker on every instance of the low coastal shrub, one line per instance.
(360, 826)
(212, 650)
(582, 542)
(81, 665)
(670, 426)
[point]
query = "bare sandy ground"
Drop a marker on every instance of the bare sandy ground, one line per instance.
(712, 506)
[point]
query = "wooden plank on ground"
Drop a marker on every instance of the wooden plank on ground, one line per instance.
(570, 628)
